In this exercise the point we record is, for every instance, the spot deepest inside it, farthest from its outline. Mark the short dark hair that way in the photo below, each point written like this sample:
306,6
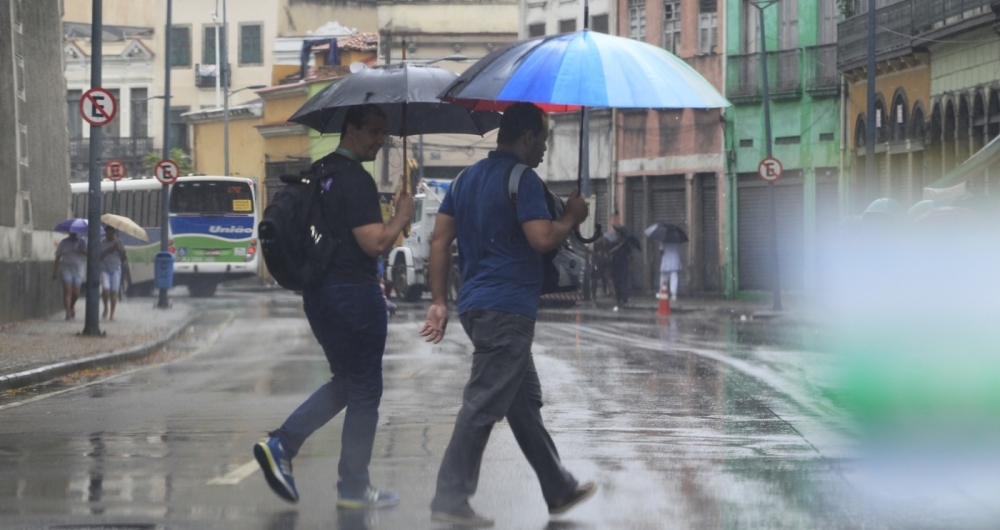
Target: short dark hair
517,120
109,228
358,116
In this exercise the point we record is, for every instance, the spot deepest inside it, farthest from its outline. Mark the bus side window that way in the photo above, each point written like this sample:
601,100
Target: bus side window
79,205
125,203
136,213
106,202
153,213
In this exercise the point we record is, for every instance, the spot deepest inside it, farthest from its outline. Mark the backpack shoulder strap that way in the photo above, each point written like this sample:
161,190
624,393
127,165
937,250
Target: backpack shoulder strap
514,180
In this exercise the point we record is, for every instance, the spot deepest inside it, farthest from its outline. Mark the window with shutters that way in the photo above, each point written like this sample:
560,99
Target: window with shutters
208,44
599,23
75,125
750,29
140,113
250,44
180,47
827,21
567,26
708,26
536,30
637,19
788,38
672,27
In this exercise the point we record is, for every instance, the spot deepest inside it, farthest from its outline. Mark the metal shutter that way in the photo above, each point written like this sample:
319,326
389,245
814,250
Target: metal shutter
633,220
754,240
711,272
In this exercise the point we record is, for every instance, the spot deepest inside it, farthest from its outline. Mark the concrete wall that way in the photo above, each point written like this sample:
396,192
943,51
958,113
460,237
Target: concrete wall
246,148
34,175
297,17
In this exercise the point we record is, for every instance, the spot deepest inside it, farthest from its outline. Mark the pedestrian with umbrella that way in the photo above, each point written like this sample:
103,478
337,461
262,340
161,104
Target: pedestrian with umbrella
623,242
346,310
71,261
112,256
669,238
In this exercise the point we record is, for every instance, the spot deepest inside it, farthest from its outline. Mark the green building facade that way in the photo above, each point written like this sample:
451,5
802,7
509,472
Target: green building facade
806,132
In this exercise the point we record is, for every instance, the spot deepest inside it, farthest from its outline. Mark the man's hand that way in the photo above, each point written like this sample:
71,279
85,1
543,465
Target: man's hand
435,324
577,207
405,205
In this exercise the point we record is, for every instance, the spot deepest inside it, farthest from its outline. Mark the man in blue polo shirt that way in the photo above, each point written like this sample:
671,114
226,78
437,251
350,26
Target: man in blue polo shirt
500,246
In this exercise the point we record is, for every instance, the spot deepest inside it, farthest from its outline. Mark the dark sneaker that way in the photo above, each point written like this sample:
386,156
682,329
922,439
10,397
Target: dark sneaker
581,494
371,498
277,468
464,517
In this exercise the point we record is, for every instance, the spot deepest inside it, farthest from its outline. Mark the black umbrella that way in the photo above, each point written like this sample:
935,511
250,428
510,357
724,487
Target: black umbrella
666,233
407,93
628,236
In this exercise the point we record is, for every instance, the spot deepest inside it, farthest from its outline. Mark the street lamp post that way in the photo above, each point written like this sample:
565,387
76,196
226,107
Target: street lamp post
456,57
225,123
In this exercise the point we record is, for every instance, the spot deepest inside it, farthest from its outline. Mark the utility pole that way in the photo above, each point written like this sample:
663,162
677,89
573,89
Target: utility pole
775,274
225,86
91,324
164,302
869,183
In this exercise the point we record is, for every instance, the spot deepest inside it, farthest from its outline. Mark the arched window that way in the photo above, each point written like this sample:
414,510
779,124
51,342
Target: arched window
918,127
899,117
860,132
881,125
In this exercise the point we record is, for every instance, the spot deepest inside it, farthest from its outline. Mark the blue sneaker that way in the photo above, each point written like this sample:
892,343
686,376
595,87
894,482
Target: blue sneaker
371,498
277,468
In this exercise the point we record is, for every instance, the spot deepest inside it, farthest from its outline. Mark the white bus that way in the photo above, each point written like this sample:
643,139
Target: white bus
213,229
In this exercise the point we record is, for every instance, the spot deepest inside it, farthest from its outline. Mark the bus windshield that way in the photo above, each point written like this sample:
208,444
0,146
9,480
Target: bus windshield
208,197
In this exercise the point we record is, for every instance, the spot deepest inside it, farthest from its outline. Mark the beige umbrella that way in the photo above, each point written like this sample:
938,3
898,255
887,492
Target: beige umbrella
125,225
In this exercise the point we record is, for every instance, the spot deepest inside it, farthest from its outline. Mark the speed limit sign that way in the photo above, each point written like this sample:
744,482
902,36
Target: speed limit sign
166,171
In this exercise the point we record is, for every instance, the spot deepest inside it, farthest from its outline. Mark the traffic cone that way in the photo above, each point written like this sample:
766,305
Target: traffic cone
664,309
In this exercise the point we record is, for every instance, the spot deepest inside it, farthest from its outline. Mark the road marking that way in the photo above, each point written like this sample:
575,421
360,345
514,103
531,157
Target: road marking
235,476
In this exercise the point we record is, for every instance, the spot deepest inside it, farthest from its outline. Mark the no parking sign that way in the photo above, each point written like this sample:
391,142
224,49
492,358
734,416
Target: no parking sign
98,107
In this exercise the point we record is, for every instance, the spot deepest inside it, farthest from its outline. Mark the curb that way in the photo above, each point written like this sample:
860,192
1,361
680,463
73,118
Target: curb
52,371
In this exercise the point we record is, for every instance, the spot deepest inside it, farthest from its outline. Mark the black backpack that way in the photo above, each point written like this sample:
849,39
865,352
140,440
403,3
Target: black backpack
297,244
563,265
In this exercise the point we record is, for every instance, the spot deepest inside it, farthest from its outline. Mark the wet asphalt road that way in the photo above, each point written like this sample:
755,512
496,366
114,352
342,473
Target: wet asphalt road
701,422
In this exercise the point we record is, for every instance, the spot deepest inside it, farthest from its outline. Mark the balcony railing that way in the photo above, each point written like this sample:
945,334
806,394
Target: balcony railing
894,31
930,15
743,79
820,66
121,148
204,76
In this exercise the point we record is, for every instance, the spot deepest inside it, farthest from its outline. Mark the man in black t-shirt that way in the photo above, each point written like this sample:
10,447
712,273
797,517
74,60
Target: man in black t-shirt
346,312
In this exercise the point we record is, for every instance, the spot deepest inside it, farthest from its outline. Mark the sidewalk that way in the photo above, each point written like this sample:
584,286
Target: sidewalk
32,351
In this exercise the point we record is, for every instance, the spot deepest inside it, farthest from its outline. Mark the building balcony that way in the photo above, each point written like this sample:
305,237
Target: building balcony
743,76
821,76
893,34
204,76
124,149
944,17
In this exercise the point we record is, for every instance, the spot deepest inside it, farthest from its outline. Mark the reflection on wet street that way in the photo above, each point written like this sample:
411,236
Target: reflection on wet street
697,421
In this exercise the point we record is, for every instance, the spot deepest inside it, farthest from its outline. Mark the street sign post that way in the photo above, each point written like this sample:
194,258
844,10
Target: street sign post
167,171
770,169
98,106
114,171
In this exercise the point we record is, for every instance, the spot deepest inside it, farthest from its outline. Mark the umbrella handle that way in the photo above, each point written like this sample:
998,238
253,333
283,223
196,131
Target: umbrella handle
597,234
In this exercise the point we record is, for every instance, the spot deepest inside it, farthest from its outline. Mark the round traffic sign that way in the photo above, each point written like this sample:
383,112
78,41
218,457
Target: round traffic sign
114,170
98,106
167,171
770,169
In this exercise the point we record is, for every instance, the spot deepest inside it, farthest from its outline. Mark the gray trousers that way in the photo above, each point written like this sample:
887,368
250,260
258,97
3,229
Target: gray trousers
503,383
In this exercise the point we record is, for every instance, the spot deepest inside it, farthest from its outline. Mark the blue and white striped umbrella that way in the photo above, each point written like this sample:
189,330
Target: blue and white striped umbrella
583,69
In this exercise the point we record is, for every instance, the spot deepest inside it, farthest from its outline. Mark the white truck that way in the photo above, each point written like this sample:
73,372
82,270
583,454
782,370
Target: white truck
406,270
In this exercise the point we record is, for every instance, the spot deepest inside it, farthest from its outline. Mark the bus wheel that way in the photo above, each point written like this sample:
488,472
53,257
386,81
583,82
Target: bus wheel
202,289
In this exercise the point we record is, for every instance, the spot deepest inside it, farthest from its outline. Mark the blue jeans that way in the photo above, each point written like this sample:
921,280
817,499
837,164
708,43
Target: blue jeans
349,321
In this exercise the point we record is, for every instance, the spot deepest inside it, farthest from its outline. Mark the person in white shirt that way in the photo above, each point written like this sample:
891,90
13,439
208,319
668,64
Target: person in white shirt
670,266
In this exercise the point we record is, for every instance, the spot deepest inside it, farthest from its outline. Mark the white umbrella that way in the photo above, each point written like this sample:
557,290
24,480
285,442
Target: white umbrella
125,225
